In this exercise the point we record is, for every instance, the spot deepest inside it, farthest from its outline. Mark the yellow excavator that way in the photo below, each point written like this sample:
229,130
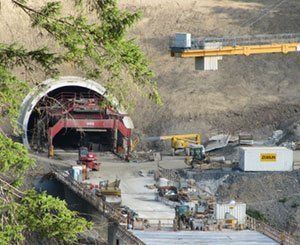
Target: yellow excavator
180,141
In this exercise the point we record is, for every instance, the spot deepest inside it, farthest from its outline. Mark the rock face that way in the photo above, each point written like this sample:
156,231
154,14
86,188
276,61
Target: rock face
245,93
296,130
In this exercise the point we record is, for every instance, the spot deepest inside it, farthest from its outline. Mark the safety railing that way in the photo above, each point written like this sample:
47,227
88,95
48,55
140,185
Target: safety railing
107,209
160,223
65,102
248,40
199,42
277,235
64,96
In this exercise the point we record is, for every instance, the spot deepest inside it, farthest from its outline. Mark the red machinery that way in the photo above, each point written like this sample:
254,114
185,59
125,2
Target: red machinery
86,114
87,158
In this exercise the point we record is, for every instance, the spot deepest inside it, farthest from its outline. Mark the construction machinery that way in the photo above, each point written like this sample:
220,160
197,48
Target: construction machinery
66,118
135,143
88,158
180,141
197,156
196,219
208,51
182,214
110,192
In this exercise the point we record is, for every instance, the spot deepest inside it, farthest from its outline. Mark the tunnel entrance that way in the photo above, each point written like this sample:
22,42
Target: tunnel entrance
72,139
70,116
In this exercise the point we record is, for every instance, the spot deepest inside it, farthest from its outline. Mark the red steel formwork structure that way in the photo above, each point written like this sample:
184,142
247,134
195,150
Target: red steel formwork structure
84,112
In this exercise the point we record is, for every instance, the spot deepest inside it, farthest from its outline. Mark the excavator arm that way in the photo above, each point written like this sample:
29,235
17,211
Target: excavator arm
179,141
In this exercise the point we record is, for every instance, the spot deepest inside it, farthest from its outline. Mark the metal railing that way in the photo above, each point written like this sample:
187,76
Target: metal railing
160,224
279,236
248,40
261,39
65,96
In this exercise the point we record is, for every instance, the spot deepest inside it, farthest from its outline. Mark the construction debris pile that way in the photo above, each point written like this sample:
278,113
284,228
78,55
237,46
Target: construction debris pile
195,208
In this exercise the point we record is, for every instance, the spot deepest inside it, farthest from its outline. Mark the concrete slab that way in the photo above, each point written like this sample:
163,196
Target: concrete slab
143,200
134,193
203,237
217,142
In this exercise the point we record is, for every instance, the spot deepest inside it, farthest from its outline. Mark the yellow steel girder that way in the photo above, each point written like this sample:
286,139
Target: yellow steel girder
239,50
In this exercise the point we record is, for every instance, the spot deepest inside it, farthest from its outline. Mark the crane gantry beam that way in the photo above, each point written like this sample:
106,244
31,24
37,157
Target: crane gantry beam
238,50
208,51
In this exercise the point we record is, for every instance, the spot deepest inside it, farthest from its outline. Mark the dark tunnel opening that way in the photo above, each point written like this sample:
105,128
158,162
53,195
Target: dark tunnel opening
77,104
73,139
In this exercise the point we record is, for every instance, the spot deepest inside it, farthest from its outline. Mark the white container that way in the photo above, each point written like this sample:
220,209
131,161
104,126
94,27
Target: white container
237,210
77,173
182,40
265,159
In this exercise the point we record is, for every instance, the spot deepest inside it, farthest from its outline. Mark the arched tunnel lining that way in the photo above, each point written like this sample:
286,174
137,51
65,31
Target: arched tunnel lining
45,87
69,138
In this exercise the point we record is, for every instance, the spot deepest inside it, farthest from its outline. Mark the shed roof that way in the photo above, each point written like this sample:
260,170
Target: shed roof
203,237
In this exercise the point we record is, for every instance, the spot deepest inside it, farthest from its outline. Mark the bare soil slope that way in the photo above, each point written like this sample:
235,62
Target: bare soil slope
246,92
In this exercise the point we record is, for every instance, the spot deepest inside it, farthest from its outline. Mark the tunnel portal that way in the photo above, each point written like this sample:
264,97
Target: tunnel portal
71,112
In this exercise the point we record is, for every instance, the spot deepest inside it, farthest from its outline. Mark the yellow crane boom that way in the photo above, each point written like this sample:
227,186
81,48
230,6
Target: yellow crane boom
208,51
179,141
195,137
240,50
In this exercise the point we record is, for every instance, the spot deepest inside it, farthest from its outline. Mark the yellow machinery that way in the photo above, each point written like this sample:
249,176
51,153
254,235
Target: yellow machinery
110,192
180,141
110,188
241,50
208,51
134,143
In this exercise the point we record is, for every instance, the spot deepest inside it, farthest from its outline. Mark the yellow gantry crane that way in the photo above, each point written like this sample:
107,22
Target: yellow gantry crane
208,51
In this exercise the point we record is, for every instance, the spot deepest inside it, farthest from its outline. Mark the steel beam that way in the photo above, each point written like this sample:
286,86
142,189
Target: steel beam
89,124
238,50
